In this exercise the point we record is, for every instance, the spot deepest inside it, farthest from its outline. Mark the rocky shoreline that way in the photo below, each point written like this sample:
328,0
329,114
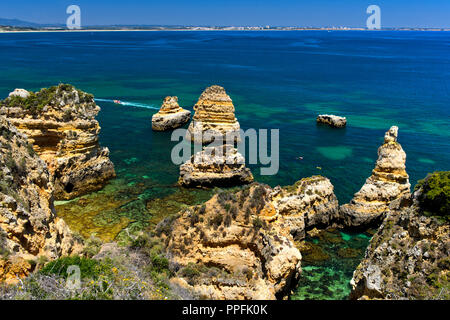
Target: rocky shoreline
243,243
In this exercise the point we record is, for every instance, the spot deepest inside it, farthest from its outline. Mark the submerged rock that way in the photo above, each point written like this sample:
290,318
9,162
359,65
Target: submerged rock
332,120
29,227
214,113
215,166
388,182
60,123
170,116
408,257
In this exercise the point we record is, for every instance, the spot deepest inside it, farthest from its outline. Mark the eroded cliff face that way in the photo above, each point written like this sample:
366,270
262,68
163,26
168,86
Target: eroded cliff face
29,227
60,123
214,112
223,250
170,115
241,246
408,257
388,182
215,166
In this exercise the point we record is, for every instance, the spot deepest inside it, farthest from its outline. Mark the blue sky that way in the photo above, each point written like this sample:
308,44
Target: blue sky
395,13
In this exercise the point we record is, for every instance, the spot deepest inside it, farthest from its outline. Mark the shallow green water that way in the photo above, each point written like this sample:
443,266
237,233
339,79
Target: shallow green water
328,265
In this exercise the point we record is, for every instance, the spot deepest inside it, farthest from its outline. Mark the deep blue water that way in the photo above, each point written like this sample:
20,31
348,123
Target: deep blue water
276,80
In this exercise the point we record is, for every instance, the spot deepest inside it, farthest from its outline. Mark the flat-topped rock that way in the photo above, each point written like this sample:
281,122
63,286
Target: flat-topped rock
388,182
332,120
215,166
170,115
214,113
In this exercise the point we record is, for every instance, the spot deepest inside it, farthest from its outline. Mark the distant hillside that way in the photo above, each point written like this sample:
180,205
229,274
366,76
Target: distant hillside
25,24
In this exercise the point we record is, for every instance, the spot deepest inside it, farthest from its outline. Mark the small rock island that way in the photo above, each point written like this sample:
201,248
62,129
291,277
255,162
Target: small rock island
170,116
332,120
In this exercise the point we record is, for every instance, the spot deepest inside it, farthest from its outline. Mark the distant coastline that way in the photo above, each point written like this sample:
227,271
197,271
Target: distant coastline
11,29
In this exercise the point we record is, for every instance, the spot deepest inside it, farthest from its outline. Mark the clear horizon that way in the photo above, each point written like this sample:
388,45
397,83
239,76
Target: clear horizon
320,13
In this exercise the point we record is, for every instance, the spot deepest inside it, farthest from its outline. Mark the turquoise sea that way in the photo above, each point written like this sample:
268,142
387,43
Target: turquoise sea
278,80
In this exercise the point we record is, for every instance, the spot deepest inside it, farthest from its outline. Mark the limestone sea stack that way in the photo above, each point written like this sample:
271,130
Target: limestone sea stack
60,124
215,166
29,227
223,250
388,182
332,120
170,116
309,203
214,112
408,257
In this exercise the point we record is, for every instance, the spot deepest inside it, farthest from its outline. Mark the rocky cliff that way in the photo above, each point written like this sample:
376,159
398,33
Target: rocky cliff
28,225
408,257
240,245
309,203
224,250
388,182
60,123
215,166
170,115
214,112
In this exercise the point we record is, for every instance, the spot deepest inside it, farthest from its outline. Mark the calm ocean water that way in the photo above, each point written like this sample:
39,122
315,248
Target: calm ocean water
276,79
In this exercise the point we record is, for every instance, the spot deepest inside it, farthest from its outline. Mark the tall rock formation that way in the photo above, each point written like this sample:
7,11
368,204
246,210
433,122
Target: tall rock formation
29,227
215,166
223,250
408,257
60,123
214,112
388,182
170,115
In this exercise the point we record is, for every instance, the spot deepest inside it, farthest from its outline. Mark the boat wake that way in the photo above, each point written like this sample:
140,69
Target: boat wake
131,104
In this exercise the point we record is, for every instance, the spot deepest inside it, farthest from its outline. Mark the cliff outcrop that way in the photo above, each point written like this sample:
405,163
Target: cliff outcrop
224,250
60,124
29,227
408,257
215,166
214,113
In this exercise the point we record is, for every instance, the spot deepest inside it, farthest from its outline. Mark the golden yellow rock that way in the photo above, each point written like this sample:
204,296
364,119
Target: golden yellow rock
60,123
170,116
29,227
214,113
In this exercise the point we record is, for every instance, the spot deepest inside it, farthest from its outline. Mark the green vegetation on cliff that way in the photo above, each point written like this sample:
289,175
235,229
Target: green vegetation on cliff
434,194
36,101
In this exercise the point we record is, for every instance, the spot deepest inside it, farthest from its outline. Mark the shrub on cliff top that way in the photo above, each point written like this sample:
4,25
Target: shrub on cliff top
434,195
